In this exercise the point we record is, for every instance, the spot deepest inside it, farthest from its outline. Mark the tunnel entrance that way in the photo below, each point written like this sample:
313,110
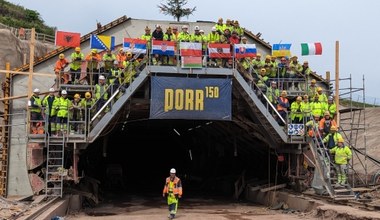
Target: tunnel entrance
209,156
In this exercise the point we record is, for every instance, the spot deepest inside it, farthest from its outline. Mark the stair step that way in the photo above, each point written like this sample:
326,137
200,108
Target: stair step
344,197
342,190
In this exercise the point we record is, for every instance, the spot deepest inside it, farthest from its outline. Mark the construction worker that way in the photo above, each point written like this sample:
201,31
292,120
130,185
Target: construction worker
184,35
331,107
59,69
312,89
296,114
306,71
93,59
237,28
322,96
35,106
50,112
220,26
120,58
273,93
173,191
130,69
295,69
342,155
257,64
76,115
101,93
282,107
312,127
148,37
317,107
213,37
62,107
325,124
331,139
169,36
306,108
108,60
77,57
87,102
157,35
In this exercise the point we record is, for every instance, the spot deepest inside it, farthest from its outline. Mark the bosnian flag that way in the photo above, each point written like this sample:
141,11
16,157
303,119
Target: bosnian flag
219,50
163,47
311,48
190,49
102,42
134,45
245,50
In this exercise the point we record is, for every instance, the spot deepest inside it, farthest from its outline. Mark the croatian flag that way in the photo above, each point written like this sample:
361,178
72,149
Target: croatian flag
134,45
163,47
190,49
219,50
245,50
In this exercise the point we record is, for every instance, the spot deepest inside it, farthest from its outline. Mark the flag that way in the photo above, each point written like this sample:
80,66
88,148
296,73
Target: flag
134,45
67,39
102,42
281,50
311,48
163,47
219,50
245,50
190,49
191,62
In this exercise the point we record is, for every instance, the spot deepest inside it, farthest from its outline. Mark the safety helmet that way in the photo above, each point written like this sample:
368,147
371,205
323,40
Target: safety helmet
61,56
36,90
299,98
201,31
101,77
51,90
115,62
174,28
244,38
274,83
213,29
172,170
87,95
258,54
77,96
77,49
313,81
185,27
327,113
333,128
196,28
330,98
306,97
64,92
263,70
147,28
121,50
94,51
305,62
319,89
129,54
340,140
220,19
267,57
316,116
158,26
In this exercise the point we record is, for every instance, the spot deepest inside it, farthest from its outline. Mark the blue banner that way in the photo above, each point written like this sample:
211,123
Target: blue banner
190,98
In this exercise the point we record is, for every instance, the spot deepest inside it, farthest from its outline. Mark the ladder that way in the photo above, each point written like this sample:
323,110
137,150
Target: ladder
55,171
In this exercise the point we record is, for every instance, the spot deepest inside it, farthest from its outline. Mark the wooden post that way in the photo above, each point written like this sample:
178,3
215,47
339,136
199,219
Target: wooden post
30,78
337,82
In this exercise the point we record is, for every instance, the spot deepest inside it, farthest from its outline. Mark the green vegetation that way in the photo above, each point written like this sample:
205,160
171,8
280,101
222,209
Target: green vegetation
17,16
176,9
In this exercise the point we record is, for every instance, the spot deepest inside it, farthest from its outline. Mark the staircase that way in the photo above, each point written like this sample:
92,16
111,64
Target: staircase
55,171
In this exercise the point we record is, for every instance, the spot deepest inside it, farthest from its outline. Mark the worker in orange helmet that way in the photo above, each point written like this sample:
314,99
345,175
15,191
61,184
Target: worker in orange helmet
173,191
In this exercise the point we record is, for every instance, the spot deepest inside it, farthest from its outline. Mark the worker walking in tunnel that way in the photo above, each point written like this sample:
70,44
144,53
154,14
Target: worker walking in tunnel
173,191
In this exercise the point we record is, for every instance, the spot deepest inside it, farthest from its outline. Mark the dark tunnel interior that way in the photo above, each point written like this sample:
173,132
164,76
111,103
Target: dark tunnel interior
209,157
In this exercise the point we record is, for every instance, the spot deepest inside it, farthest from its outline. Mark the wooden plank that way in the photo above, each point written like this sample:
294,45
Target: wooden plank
273,187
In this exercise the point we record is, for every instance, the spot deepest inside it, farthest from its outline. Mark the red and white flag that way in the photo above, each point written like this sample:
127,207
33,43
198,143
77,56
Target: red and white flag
67,39
190,49
219,50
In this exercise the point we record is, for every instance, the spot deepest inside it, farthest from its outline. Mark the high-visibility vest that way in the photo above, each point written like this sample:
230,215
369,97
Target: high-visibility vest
35,104
177,186
342,154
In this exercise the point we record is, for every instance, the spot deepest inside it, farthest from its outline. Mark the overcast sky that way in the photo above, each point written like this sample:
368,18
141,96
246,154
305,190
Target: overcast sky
355,24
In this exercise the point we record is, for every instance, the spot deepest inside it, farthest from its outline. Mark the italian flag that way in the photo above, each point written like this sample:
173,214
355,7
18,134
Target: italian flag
311,48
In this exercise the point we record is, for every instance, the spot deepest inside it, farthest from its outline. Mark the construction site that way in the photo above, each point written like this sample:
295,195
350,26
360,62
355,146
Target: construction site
236,156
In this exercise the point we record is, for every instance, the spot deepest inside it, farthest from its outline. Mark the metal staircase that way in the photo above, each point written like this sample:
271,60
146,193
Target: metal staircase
323,181
55,171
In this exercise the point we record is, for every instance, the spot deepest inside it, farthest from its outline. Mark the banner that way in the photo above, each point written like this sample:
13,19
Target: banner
134,45
190,98
67,39
311,49
163,47
281,50
245,50
102,42
191,62
190,49
219,50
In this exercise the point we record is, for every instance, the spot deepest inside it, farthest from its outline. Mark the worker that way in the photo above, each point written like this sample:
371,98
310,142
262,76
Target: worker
108,60
120,58
331,107
59,69
296,114
273,93
213,37
76,115
50,112
322,96
312,89
220,26
173,192
93,59
342,155
157,34
87,102
131,67
169,36
101,93
325,124
312,127
331,139
184,35
306,108
77,57
282,107
35,106
62,107
148,37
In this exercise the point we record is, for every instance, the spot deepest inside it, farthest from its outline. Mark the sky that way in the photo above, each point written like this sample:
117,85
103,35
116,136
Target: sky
354,24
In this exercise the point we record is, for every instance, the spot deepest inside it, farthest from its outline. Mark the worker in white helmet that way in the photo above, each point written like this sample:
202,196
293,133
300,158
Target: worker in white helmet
62,107
173,191
35,107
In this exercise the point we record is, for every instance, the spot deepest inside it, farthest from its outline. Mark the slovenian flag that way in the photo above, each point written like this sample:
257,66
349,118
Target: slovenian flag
191,62
190,49
219,50
102,42
281,50
311,48
163,47
245,50
134,45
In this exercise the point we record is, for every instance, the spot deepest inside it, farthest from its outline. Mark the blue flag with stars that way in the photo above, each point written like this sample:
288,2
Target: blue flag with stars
102,42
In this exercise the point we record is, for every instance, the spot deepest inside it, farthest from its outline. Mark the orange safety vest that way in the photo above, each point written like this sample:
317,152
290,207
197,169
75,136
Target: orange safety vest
284,100
177,187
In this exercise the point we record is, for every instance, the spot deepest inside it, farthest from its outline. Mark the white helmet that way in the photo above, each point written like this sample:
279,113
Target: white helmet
64,92
213,29
196,28
172,170
101,77
51,90
184,26
36,90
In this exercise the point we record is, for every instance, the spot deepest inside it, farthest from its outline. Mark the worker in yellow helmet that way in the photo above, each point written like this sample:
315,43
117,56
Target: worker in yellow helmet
77,57
87,102
342,155
76,115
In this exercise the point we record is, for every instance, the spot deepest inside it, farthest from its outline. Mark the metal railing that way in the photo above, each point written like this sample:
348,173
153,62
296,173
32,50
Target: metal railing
25,34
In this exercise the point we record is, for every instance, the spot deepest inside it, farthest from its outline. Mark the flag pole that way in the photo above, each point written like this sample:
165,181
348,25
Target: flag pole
337,82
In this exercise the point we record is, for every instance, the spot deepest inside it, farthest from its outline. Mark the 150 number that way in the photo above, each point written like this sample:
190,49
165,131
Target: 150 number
212,92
